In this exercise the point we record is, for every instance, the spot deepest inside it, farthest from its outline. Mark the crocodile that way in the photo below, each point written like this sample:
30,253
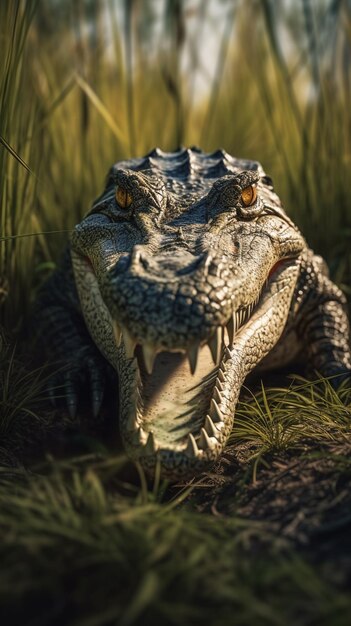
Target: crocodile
185,276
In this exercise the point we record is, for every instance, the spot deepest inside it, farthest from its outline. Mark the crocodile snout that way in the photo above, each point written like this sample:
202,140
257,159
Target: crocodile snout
168,299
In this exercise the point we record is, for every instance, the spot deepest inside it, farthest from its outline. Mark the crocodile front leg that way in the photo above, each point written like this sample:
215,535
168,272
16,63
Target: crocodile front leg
322,322
60,329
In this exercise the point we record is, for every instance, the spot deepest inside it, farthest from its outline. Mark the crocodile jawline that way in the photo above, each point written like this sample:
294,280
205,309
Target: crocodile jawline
193,424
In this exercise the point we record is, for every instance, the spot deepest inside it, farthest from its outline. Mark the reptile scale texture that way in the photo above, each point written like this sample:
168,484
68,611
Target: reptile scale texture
186,275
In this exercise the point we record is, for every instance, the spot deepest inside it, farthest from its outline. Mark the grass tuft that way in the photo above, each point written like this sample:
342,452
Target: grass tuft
278,418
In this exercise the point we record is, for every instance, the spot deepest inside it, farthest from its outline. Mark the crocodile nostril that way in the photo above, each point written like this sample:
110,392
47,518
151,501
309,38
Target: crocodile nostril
200,261
131,262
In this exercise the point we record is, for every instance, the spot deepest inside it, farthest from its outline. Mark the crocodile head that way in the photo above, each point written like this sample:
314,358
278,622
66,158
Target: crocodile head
185,268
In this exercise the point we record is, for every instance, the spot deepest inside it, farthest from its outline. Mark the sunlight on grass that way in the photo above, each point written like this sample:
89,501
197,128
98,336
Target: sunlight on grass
275,419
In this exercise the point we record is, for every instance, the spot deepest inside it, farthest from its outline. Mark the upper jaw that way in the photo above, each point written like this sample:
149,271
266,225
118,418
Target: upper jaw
180,312
222,334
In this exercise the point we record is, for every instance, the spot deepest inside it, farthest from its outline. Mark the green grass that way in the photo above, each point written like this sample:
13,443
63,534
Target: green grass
77,551
280,418
86,539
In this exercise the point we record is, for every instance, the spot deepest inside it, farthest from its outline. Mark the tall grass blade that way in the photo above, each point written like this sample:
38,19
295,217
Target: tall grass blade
100,107
13,152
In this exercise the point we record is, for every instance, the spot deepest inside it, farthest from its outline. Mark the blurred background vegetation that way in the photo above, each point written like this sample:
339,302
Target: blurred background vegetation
84,84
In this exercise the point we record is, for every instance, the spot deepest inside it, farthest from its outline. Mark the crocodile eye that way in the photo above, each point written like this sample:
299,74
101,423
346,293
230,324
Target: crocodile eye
249,195
124,199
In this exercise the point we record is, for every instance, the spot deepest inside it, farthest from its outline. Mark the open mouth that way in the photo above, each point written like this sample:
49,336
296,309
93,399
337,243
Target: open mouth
177,407
183,400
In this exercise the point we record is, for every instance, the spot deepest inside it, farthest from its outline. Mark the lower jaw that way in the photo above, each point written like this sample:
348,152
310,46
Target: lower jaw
173,411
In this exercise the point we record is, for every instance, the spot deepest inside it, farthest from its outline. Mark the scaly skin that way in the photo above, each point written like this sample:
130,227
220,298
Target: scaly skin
185,287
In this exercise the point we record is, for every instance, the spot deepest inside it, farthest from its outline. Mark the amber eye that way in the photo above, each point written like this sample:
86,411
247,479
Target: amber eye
124,199
249,195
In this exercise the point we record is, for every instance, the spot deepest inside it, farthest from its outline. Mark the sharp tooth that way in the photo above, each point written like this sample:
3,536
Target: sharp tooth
231,330
117,333
140,436
149,353
192,353
238,319
215,412
210,427
129,343
205,441
215,344
221,376
150,447
219,385
191,449
216,395
227,353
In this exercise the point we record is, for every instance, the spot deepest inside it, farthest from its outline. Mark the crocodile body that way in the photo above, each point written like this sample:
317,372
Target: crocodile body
185,276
